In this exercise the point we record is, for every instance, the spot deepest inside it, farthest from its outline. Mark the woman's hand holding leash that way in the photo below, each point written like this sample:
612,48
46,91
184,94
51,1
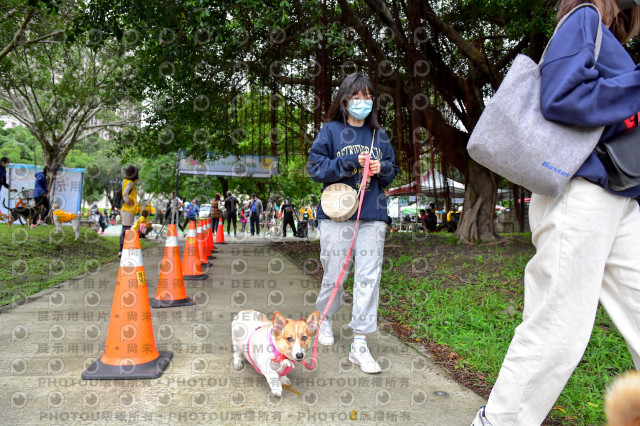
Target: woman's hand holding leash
374,165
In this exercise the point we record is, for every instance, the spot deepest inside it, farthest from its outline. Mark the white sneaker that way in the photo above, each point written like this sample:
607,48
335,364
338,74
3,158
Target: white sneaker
325,334
359,354
480,419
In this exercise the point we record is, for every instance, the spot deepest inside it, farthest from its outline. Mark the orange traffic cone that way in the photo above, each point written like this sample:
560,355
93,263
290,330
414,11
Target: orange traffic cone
213,246
130,351
220,233
209,237
191,265
205,230
202,245
171,292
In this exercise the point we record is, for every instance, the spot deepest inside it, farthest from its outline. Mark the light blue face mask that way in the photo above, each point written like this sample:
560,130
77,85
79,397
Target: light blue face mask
359,109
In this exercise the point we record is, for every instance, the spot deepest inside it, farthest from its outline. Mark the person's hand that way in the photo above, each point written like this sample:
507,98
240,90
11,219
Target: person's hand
362,158
374,167
129,202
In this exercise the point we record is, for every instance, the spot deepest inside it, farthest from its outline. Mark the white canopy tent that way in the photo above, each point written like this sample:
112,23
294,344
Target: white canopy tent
427,187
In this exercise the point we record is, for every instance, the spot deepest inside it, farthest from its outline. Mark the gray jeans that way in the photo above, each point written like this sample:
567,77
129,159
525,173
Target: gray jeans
335,239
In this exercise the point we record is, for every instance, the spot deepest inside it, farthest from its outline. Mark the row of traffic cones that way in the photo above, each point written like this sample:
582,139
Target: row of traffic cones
130,350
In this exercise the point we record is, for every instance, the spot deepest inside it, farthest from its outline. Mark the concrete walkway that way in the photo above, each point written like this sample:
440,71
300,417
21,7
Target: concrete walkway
49,340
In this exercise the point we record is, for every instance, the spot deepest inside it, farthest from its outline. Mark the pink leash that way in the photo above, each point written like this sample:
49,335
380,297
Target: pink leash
363,184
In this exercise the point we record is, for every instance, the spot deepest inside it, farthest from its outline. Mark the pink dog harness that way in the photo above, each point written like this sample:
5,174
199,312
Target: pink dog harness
278,356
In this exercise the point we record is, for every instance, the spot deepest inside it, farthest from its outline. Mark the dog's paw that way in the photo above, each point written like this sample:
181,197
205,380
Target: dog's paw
238,364
285,381
276,393
287,363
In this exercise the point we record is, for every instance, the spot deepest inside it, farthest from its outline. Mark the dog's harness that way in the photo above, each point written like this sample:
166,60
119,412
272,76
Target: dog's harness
278,356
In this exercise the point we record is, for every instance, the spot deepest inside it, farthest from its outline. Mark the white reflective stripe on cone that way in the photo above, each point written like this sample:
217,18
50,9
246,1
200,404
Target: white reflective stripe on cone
191,233
171,242
131,258
199,228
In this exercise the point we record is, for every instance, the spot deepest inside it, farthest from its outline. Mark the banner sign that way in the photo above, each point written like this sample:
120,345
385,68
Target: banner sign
67,186
257,166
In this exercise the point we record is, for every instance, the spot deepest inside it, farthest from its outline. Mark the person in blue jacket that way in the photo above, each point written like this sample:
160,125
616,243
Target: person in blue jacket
586,238
338,154
40,196
192,213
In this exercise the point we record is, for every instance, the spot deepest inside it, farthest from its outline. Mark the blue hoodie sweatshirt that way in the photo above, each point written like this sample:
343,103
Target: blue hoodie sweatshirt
574,93
334,159
40,187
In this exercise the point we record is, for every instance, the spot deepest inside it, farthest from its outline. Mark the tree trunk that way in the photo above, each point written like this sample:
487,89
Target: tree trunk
54,162
225,185
476,222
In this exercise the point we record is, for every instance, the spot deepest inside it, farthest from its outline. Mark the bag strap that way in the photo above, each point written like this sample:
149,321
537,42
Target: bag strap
370,151
565,17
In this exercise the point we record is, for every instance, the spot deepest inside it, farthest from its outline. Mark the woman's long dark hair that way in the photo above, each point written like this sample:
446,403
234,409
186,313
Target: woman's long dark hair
623,24
352,84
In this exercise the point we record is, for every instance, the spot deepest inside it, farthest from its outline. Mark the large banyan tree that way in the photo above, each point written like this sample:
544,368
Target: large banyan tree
258,76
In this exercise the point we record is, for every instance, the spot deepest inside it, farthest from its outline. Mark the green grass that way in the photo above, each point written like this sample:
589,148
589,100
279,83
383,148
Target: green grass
32,260
461,302
462,310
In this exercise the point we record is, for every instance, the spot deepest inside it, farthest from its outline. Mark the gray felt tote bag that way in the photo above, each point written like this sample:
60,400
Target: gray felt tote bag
514,140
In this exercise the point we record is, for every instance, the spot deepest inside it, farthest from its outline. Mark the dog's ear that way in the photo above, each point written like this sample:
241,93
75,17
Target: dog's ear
278,321
313,321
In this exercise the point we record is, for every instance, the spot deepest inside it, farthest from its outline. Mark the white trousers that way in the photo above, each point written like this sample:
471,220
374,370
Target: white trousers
368,251
587,249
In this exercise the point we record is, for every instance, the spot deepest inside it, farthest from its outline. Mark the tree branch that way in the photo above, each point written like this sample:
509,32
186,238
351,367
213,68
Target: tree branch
39,39
477,58
511,54
9,14
14,42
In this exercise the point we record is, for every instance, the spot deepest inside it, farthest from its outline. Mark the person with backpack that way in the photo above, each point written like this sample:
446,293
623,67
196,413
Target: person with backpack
287,217
130,201
231,207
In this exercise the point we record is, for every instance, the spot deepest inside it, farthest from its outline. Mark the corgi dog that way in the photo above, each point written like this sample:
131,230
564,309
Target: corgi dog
622,402
273,346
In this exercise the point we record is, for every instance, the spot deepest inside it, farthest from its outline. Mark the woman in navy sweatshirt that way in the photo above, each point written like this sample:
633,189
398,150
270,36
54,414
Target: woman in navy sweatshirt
338,155
586,239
